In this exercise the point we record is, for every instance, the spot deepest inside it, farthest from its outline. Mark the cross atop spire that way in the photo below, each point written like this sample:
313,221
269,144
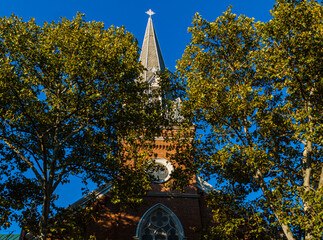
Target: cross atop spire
151,56
150,12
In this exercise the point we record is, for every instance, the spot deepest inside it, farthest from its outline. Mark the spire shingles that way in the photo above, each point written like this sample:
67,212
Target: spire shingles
151,56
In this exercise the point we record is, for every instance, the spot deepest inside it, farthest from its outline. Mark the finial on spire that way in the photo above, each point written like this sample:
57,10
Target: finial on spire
150,12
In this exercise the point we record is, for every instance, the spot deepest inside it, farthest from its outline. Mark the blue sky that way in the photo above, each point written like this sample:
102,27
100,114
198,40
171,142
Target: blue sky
171,21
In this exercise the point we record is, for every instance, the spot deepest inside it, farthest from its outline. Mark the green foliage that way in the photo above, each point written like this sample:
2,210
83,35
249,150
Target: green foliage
235,219
255,92
73,223
69,105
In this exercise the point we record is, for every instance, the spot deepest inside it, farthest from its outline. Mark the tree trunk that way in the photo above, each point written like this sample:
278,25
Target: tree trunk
43,224
286,229
307,167
307,170
260,179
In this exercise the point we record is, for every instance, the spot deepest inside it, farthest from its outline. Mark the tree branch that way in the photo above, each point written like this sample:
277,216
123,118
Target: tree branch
262,183
53,163
30,164
25,112
260,179
321,178
67,137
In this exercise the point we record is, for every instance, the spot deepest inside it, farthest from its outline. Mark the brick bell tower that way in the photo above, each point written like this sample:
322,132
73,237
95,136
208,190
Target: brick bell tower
164,214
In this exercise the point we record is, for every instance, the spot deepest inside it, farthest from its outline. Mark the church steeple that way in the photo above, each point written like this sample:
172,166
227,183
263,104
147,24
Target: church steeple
151,56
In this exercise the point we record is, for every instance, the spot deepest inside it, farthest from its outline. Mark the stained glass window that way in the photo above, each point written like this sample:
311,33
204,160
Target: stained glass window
159,224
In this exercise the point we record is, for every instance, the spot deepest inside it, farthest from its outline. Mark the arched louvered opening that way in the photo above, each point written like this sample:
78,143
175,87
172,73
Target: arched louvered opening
160,223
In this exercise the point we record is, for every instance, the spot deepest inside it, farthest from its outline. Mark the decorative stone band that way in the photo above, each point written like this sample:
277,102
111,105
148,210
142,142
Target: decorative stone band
177,195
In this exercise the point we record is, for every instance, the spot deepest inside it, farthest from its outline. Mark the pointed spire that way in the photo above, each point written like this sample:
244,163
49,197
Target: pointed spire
151,56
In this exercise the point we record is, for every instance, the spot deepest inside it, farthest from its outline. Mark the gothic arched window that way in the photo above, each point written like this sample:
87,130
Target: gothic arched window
160,223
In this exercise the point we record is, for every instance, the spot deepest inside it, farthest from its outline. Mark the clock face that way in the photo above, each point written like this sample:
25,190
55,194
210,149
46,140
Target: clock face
160,171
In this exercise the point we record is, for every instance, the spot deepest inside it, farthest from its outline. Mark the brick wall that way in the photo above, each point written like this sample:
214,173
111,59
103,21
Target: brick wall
190,208
114,223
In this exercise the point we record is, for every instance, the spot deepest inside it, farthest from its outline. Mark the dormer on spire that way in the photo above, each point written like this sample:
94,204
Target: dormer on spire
151,57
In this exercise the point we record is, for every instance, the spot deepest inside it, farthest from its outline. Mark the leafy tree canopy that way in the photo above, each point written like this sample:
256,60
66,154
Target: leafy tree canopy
69,105
255,89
